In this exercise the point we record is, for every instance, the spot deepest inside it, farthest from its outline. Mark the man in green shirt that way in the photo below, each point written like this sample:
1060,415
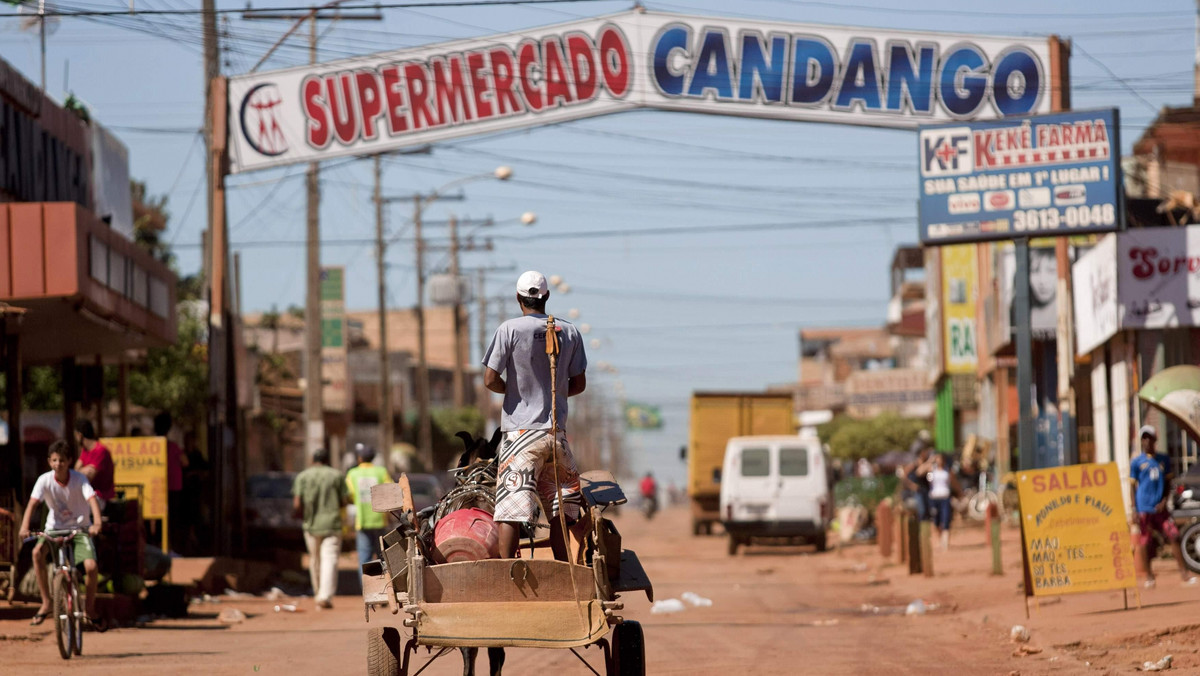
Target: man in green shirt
317,496
369,524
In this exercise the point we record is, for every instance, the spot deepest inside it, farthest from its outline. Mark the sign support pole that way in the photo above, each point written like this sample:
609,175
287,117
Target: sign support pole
1024,339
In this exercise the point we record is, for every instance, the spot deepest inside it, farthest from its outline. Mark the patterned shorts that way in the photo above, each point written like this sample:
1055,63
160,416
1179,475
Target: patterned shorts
527,474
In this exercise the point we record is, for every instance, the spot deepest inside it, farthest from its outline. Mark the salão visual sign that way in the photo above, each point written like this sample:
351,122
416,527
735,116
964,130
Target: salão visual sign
1040,176
633,60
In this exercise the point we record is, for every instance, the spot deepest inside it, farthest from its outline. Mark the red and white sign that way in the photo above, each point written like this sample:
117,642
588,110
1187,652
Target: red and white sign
999,200
964,203
604,65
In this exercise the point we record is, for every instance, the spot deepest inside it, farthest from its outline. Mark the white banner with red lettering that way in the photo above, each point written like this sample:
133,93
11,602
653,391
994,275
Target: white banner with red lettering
548,75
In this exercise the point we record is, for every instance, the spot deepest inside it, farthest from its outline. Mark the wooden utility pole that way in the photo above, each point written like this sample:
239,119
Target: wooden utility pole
385,386
425,422
314,416
459,394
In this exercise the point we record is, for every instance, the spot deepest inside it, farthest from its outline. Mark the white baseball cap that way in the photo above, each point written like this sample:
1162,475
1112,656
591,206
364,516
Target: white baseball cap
1148,431
532,284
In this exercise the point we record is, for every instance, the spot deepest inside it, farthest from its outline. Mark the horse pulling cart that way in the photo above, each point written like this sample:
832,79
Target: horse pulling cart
533,602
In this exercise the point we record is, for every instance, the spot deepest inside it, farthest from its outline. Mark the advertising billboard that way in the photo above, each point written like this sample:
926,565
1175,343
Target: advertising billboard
1042,176
1094,277
960,288
609,64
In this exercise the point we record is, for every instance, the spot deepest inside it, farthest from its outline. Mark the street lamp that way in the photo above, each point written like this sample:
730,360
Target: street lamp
425,431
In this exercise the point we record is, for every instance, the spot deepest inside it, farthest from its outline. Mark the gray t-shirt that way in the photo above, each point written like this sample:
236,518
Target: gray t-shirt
518,352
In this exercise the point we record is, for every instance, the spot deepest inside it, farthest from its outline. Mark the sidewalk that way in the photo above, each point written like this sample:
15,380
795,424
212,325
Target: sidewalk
1076,633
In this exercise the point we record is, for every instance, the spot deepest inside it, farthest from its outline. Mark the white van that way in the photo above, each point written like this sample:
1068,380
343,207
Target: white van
776,489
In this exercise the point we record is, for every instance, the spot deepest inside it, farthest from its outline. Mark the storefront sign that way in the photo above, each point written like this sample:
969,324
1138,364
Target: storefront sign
142,461
334,392
1039,176
1043,288
1144,278
960,288
627,61
1158,277
905,392
1075,534
1094,277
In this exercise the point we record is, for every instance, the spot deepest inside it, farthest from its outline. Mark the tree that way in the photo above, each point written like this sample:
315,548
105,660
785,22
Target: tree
850,439
175,378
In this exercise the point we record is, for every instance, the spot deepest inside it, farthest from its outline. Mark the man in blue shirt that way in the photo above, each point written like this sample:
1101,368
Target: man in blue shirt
1149,472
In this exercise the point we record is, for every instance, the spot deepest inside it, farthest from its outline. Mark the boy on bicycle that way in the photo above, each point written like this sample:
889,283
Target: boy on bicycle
69,497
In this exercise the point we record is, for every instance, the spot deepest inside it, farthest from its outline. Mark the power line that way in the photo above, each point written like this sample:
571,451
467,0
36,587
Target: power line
305,8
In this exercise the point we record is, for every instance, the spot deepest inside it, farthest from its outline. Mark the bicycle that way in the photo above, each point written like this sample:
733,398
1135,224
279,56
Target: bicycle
64,591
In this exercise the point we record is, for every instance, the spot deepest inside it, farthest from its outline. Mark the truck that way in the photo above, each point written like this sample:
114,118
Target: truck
717,417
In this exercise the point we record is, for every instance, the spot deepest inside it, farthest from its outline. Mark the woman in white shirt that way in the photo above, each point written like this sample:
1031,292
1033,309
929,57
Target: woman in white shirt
939,498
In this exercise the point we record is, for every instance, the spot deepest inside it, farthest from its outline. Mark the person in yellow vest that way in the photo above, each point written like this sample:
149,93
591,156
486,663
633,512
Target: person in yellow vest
369,524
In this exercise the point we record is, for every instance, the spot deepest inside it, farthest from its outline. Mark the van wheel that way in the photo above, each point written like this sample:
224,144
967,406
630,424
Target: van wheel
822,542
733,545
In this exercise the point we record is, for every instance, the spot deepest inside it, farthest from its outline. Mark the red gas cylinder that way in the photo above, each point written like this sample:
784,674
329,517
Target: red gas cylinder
467,535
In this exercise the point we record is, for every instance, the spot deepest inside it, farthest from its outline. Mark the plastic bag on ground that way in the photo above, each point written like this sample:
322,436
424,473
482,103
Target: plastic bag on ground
667,606
696,600
917,607
1161,665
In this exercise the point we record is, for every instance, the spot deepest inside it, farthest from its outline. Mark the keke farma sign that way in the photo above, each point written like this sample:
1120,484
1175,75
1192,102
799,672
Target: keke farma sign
626,61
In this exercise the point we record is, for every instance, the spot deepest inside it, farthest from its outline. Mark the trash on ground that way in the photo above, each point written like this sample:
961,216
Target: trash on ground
696,600
1025,650
1019,634
286,608
1161,665
231,616
824,623
917,607
275,594
667,606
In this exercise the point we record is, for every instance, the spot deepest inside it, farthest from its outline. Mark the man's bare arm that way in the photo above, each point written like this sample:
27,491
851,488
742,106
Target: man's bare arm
493,381
576,385
88,471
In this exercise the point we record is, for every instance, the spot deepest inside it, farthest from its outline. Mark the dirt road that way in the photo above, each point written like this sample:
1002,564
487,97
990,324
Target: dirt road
774,611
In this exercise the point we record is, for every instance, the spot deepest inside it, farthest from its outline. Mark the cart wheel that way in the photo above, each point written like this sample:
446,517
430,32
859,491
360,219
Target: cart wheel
822,542
628,651
383,652
697,527
733,545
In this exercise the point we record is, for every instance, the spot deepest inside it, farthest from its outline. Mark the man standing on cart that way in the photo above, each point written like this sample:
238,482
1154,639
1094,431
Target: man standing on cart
517,366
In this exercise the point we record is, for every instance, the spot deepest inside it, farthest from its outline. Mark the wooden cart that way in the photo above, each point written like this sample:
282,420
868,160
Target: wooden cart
503,603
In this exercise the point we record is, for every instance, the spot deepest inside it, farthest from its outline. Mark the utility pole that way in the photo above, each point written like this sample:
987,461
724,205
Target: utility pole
385,367
425,426
314,415
459,394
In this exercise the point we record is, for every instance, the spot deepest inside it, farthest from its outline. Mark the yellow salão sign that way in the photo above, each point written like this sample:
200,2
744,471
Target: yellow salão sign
143,461
1076,535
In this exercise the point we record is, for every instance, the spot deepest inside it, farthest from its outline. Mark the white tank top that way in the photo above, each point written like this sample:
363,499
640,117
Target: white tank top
939,484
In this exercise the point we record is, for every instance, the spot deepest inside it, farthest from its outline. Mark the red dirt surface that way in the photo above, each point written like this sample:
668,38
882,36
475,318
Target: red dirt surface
775,611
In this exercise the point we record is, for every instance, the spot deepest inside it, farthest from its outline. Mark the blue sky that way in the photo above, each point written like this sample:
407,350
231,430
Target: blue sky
673,313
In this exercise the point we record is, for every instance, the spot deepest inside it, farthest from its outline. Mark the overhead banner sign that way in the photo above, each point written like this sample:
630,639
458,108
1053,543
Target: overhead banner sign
739,67
1074,530
1041,176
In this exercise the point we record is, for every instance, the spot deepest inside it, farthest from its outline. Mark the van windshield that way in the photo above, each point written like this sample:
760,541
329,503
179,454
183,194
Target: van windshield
793,461
756,462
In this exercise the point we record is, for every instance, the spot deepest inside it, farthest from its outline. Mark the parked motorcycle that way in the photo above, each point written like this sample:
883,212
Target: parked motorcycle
1184,503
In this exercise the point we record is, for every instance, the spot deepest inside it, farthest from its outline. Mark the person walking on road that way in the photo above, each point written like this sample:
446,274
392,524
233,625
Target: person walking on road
940,490
915,476
518,367
318,494
368,524
176,463
1149,471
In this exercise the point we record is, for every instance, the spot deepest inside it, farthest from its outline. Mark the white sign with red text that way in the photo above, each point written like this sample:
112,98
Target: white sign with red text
604,65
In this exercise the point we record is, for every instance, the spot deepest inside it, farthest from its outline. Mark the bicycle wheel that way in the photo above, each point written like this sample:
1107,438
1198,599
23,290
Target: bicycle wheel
64,612
76,618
